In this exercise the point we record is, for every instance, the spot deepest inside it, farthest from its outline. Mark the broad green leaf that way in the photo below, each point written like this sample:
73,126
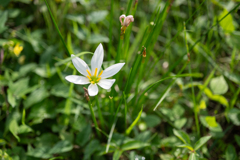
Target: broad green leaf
202,105
42,110
231,153
218,85
234,115
27,68
13,127
40,152
210,122
24,129
214,97
3,20
46,140
60,90
164,157
232,76
76,18
61,147
17,88
97,38
117,155
4,155
180,122
45,72
168,142
97,16
84,136
152,120
92,147
134,145
80,34
177,111
182,136
144,136
188,146
13,13
11,98
201,142
227,22
134,122
193,156
2,142
36,96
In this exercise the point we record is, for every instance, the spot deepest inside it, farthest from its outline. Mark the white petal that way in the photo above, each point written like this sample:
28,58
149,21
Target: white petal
92,89
80,65
77,79
106,83
97,59
112,70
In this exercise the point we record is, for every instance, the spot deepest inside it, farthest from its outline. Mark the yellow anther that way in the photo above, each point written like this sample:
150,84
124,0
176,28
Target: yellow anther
89,78
95,73
89,73
98,78
100,73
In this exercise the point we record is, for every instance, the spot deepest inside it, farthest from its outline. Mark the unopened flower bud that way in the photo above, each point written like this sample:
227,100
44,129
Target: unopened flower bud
144,53
135,3
121,19
125,22
86,95
1,56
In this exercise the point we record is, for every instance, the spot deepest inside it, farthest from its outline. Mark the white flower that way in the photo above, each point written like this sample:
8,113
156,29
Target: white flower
93,75
127,20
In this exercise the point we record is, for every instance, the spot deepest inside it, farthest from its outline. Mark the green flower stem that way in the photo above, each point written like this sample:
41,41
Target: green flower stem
118,57
93,117
99,112
111,109
55,24
110,32
193,92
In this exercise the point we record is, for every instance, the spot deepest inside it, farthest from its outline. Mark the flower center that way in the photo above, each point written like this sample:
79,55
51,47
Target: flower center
94,78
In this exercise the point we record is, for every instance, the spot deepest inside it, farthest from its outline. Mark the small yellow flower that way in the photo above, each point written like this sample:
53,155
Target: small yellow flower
17,49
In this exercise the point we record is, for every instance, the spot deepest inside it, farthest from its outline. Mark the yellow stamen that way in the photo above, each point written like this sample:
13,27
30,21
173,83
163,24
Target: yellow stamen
89,73
89,78
98,78
100,73
95,73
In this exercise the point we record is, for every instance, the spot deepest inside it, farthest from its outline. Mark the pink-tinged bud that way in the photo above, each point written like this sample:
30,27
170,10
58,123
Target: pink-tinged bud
122,17
1,56
128,20
125,21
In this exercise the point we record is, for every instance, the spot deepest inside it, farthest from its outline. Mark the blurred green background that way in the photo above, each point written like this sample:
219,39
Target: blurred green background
181,101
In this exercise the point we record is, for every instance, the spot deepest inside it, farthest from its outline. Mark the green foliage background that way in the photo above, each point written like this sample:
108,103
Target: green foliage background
181,101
